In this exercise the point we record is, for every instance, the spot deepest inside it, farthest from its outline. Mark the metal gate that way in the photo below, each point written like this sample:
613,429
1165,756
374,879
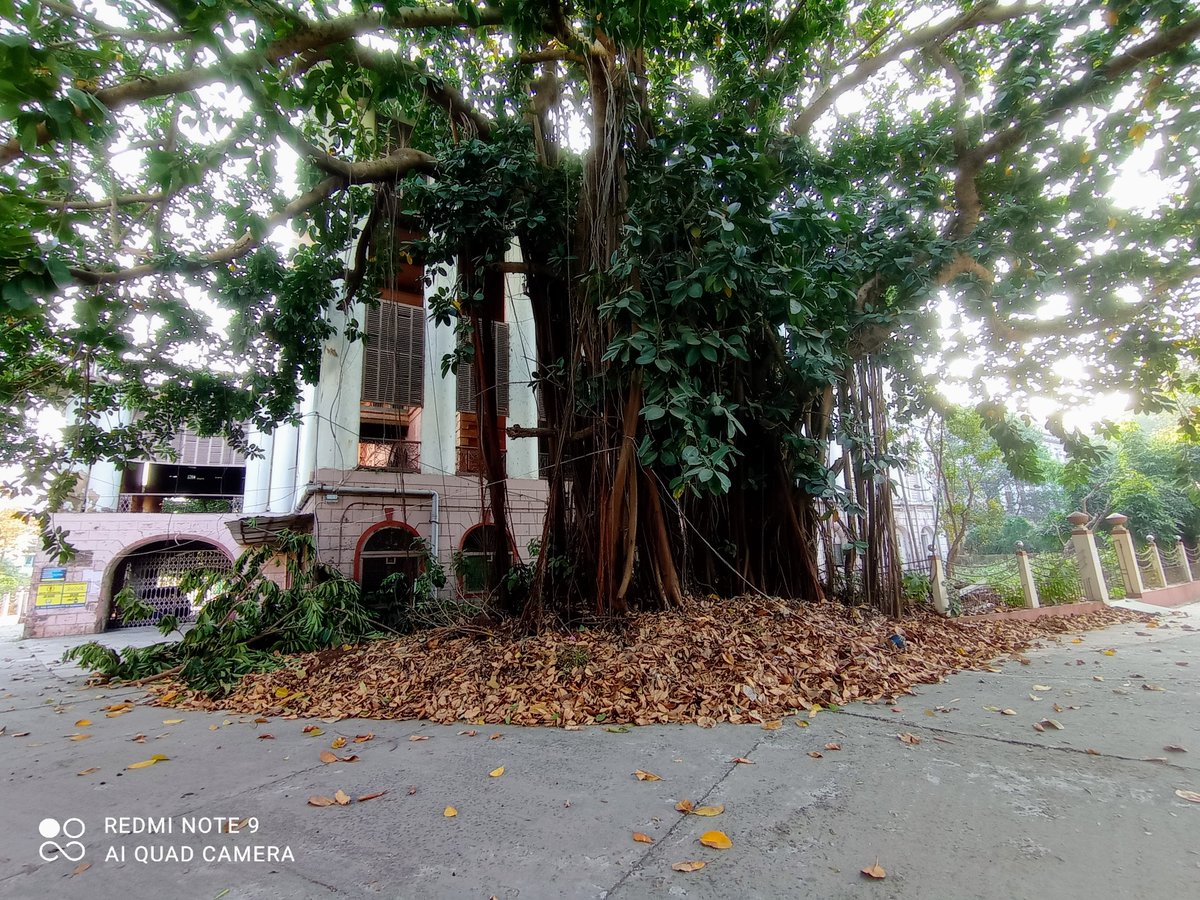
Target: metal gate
154,575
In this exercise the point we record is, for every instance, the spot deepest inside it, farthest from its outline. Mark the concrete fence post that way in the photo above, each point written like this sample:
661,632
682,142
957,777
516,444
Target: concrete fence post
1025,569
1184,565
1156,565
937,584
1088,559
1131,575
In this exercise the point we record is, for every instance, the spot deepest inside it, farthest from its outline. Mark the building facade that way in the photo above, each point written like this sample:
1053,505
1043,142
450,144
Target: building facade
386,450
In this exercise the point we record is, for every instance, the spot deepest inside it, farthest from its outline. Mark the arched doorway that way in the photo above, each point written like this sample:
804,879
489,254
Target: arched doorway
153,571
389,560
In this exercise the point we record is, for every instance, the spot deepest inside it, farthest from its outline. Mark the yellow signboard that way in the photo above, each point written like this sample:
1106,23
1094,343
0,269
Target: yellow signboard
62,593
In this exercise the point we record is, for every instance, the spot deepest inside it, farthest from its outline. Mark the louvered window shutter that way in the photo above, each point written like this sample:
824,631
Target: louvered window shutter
465,383
394,356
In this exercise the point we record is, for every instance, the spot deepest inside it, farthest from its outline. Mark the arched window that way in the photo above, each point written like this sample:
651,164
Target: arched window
479,545
391,550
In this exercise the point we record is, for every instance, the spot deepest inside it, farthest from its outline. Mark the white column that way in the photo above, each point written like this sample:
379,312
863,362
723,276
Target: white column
1156,565
258,473
306,454
522,461
1127,562
283,469
334,443
438,416
1087,558
1184,565
1028,586
937,585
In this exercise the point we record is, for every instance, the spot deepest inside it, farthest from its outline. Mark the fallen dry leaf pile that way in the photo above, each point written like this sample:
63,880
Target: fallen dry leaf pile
740,661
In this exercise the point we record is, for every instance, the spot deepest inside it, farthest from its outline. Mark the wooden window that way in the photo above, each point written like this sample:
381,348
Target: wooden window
465,386
394,356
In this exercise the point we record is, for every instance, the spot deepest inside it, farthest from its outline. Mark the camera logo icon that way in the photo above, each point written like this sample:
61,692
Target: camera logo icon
71,849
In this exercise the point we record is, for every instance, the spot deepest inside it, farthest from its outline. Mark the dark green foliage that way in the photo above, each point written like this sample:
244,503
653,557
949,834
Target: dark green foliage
246,621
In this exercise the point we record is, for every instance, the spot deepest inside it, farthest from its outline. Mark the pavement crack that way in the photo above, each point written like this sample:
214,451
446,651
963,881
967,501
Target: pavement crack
640,861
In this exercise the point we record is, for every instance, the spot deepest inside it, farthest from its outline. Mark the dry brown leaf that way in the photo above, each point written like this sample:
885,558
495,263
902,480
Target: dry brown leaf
646,776
1190,796
496,773
496,736
363,798
833,746
1008,712
261,720
470,732
313,730
266,737
909,738
89,771
741,760
1175,748
709,810
773,725
642,838
449,812
321,801
1147,686
875,870
138,739
418,737
691,865
718,840
412,789
684,806
327,757
1091,752
801,723
342,798
80,869
338,743
816,754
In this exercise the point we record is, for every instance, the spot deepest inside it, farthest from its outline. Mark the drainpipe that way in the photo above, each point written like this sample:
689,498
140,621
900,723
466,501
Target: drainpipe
381,490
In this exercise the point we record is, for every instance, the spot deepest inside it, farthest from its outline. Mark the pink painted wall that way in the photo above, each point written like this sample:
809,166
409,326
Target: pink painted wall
109,536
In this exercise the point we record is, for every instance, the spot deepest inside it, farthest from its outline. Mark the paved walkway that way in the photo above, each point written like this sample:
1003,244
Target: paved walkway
984,806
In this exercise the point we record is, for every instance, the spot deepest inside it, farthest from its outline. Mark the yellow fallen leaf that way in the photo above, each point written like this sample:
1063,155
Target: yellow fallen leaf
342,798
83,723
213,727
1042,687
496,773
772,725
169,696
89,771
684,806
875,871
113,715
321,801
718,840
691,865
642,838
800,723
313,731
709,810
327,757
1109,652
79,737
156,758
172,721
1080,640
119,707
646,776
281,692
449,812
338,743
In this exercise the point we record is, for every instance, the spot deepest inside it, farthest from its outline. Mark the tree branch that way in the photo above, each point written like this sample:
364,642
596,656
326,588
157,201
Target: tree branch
984,13
323,34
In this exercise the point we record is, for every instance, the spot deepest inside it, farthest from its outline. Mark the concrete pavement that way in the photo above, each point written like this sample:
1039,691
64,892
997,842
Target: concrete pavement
983,806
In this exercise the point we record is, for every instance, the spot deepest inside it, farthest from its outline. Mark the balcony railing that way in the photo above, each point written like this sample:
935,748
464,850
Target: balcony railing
401,456
177,503
470,460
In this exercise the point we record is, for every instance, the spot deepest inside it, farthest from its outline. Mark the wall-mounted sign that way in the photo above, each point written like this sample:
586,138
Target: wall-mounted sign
54,574
63,593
